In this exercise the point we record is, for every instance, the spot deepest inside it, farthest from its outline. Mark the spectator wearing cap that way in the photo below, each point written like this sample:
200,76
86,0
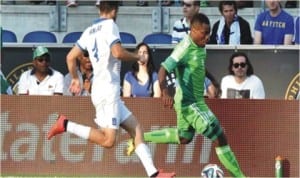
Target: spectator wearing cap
85,74
41,79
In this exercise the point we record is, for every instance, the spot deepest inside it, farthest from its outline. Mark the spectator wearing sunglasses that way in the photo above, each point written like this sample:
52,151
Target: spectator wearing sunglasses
85,75
241,81
181,27
41,79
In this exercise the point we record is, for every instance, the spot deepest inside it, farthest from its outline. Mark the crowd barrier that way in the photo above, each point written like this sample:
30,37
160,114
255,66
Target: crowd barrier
277,66
257,130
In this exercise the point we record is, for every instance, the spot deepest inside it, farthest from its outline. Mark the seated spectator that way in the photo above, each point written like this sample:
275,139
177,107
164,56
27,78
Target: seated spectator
49,2
181,27
71,3
167,2
8,2
42,79
141,3
231,28
243,4
241,81
290,4
85,74
142,80
274,26
5,86
296,36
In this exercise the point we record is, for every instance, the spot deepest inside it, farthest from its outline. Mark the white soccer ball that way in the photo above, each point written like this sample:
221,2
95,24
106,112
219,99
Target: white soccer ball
212,171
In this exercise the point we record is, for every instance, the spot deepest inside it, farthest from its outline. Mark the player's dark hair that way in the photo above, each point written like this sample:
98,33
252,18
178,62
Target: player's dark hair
229,3
200,18
108,5
250,69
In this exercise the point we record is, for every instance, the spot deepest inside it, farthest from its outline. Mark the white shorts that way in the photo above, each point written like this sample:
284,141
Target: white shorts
111,114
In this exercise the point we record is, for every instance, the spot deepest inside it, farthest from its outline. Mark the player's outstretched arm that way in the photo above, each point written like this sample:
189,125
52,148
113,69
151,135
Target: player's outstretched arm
122,54
167,99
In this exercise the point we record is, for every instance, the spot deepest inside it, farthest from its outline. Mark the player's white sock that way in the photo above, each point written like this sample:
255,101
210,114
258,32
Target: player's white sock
78,129
144,154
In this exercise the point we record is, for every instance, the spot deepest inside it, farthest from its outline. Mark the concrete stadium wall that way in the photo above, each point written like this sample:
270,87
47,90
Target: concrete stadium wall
22,19
257,130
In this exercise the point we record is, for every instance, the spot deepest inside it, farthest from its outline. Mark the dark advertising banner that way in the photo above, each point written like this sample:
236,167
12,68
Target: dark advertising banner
257,130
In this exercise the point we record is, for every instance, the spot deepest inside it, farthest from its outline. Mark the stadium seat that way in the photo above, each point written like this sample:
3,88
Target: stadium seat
71,37
158,38
9,36
39,37
127,38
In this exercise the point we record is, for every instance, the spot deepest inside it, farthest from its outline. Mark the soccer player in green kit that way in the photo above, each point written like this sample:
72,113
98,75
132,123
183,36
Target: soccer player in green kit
193,114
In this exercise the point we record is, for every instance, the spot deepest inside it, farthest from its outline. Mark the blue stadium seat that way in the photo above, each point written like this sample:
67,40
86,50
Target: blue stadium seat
127,38
71,37
9,36
158,38
39,37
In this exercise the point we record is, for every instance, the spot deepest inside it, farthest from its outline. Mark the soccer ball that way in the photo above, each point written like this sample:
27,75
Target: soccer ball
212,171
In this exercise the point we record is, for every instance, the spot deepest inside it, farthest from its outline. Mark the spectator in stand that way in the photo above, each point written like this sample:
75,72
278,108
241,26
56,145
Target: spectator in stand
42,79
141,3
181,27
243,4
49,2
291,4
85,75
5,86
230,29
71,3
167,2
142,80
274,26
241,81
297,37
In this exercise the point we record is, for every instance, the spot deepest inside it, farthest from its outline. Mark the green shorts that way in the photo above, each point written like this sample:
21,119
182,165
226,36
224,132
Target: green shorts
199,119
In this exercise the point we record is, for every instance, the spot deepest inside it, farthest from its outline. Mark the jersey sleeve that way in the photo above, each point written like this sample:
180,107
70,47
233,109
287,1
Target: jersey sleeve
112,33
176,56
83,40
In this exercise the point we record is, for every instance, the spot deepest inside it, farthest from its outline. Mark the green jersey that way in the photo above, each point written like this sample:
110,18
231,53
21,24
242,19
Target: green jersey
188,62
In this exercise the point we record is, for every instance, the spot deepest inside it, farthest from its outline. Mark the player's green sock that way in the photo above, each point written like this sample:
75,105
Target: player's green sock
168,135
227,158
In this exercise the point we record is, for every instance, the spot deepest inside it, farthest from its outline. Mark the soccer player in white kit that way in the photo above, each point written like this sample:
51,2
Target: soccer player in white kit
102,41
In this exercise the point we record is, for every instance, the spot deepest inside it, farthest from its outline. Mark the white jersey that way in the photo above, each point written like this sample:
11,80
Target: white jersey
30,85
251,88
97,40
